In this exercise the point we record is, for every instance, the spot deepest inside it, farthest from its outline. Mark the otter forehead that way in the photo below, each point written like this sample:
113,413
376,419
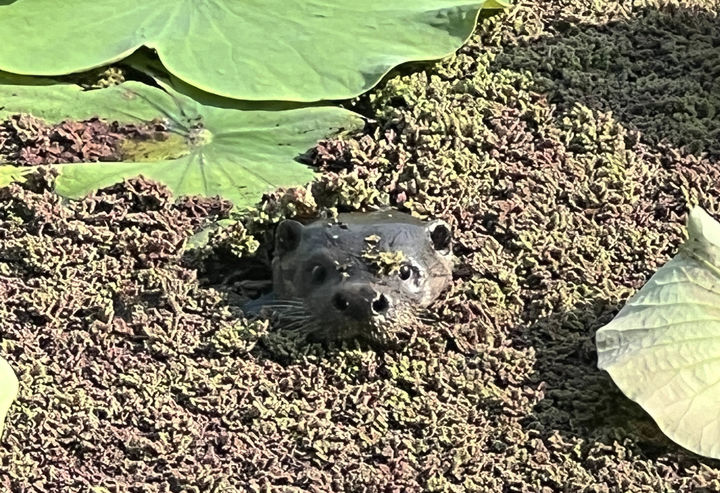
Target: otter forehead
358,238
351,239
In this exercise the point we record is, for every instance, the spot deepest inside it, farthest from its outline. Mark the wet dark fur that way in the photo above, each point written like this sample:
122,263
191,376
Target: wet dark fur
326,282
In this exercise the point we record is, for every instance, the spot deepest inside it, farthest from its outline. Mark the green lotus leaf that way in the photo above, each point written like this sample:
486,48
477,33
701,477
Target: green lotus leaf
291,50
8,390
236,154
12,174
663,348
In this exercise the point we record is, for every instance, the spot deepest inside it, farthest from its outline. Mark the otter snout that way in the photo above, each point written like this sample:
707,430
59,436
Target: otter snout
360,302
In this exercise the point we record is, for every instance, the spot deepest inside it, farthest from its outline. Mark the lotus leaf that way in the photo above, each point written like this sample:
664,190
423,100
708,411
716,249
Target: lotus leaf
213,151
663,348
291,50
8,390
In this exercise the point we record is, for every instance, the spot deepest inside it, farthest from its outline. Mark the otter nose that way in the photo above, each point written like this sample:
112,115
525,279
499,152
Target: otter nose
360,302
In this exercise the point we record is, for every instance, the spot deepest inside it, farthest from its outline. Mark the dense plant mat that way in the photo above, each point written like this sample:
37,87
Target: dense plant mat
135,376
29,141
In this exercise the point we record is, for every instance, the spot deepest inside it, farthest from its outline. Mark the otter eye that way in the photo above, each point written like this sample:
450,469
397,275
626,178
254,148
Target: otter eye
405,272
318,274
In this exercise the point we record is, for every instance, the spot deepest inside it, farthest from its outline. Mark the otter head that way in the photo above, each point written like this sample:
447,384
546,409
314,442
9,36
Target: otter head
360,275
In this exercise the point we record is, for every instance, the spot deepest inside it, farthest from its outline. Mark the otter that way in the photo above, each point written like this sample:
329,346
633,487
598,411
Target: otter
358,275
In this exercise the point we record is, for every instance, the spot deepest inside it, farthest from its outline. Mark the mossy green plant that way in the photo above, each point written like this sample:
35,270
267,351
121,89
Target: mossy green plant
498,391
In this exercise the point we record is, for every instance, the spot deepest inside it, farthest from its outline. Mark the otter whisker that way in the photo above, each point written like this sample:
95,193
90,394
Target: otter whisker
289,314
284,303
293,326
299,308
291,320
293,317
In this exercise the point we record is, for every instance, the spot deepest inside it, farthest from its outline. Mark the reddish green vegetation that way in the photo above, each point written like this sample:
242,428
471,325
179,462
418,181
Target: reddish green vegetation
26,140
135,377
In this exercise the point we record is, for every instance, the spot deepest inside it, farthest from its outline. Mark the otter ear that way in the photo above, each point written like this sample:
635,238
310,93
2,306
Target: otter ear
440,236
287,236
